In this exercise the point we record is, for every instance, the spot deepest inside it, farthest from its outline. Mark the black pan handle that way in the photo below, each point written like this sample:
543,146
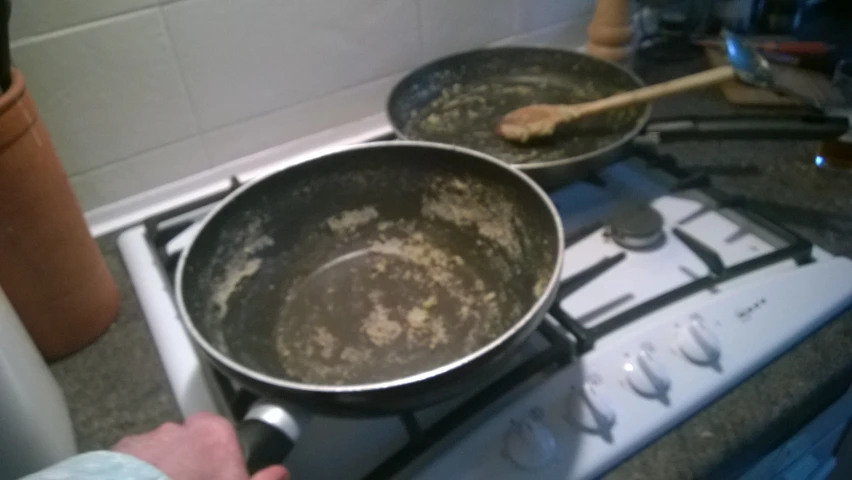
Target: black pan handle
5,60
746,127
268,433
263,445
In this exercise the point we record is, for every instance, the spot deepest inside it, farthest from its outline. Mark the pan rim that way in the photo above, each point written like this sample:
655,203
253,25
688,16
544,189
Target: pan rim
531,166
539,306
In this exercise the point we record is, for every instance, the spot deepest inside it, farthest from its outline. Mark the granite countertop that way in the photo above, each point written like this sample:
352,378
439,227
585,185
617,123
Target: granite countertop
117,386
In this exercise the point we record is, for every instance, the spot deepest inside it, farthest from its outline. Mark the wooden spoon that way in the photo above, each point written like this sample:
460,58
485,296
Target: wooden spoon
540,120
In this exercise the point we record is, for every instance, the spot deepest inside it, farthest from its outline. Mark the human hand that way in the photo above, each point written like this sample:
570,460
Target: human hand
205,447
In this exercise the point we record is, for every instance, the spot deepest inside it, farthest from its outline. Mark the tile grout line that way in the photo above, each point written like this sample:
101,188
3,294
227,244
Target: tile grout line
519,17
26,41
421,60
420,41
199,132
304,101
130,157
199,135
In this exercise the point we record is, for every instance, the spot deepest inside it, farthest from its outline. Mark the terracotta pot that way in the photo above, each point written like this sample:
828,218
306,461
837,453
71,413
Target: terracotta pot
50,266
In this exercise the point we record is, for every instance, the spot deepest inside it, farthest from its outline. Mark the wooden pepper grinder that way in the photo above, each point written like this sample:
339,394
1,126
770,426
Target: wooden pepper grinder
610,31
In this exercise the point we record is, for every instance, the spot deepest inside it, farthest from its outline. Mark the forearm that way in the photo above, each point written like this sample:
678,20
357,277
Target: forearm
101,465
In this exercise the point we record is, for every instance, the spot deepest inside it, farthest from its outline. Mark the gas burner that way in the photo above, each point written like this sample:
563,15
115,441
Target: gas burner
637,227
834,156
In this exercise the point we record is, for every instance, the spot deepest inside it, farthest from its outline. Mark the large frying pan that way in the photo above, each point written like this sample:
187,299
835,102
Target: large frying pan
380,278
459,100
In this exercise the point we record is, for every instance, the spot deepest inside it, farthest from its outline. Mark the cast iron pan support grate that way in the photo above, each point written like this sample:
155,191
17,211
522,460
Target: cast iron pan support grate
560,352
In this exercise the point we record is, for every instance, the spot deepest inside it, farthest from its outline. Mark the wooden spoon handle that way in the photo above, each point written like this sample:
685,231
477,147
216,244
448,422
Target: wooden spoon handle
652,92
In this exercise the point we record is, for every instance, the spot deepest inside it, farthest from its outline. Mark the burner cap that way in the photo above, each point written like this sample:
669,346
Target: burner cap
637,227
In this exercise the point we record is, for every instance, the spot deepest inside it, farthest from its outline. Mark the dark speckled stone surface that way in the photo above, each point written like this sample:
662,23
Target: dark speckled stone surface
117,386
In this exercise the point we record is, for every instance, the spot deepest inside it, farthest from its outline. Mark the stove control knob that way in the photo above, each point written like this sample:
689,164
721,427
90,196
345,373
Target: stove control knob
647,375
590,408
529,444
698,343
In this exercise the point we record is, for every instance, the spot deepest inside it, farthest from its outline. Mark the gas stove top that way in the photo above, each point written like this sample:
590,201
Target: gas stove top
672,294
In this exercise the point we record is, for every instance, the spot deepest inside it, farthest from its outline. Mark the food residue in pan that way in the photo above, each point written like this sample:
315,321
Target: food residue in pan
351,219
356,355
540,285
256,246
402,296
409,305
235,273
242,266
466,114
325,341
435,262
469,203
378,326
416,317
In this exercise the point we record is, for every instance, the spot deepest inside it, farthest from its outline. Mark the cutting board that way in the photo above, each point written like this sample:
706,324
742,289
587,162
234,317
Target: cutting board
811,84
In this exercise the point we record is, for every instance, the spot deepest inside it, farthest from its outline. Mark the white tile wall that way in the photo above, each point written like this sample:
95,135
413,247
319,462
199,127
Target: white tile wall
34,17
138,93
139,173
242,59
454,25
266,131
572,32
536,14
109,92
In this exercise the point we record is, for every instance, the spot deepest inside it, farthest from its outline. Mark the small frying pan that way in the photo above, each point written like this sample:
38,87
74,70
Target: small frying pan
460,99
380,278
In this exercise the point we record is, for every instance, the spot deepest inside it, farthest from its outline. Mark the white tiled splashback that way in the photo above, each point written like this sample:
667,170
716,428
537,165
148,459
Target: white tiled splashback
139,93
